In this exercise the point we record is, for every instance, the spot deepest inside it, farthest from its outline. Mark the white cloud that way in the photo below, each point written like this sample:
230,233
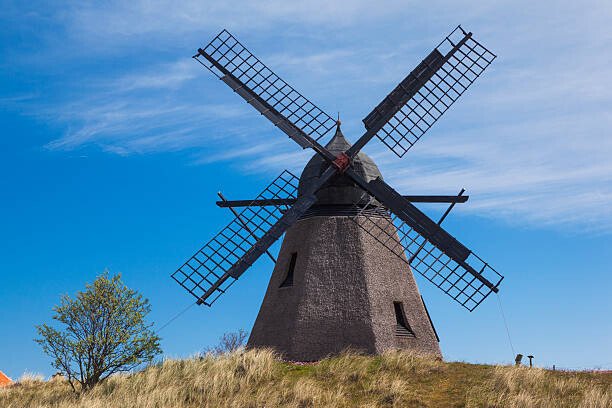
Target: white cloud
137,18
530,141
126,123
164,76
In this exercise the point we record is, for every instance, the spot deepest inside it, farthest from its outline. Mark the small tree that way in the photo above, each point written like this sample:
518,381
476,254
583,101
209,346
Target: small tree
229,342
104,332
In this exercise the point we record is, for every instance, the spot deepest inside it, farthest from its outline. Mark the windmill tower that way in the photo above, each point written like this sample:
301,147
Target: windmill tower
334,286
343,278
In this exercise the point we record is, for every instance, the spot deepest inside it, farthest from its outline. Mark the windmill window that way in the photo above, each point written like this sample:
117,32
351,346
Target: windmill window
288,281
402,327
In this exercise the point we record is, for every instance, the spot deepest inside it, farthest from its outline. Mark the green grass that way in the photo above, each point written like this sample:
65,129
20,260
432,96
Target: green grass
259,378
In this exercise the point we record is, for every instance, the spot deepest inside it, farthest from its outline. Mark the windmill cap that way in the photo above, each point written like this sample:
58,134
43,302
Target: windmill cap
340,189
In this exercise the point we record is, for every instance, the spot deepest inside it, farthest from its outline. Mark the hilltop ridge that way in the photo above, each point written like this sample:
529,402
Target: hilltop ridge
257,378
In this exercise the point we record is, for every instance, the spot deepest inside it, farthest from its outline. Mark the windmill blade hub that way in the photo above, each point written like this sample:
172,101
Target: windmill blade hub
340,190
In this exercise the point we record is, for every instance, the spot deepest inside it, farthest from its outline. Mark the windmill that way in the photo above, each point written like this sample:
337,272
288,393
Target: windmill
343,277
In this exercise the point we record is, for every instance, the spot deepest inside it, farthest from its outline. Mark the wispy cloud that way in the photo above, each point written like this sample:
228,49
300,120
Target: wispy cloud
126,19
139,112
530,140
136,126
162,76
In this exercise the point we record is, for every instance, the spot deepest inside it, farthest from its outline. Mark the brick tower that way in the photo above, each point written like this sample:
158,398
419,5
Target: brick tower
336,287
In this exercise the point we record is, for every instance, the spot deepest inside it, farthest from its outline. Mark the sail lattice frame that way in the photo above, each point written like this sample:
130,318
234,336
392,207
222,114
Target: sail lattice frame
436,96
206,267
226,50
430,262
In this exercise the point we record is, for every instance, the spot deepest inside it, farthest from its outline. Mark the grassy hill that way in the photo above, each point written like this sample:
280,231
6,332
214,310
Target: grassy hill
259,379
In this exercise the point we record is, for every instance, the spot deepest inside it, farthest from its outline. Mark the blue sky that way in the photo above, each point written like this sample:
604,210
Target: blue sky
114,143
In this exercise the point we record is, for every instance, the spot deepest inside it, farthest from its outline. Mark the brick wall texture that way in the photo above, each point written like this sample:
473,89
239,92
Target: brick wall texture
344,286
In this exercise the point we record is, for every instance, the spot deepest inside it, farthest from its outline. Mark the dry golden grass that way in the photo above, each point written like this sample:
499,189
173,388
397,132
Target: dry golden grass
259,379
